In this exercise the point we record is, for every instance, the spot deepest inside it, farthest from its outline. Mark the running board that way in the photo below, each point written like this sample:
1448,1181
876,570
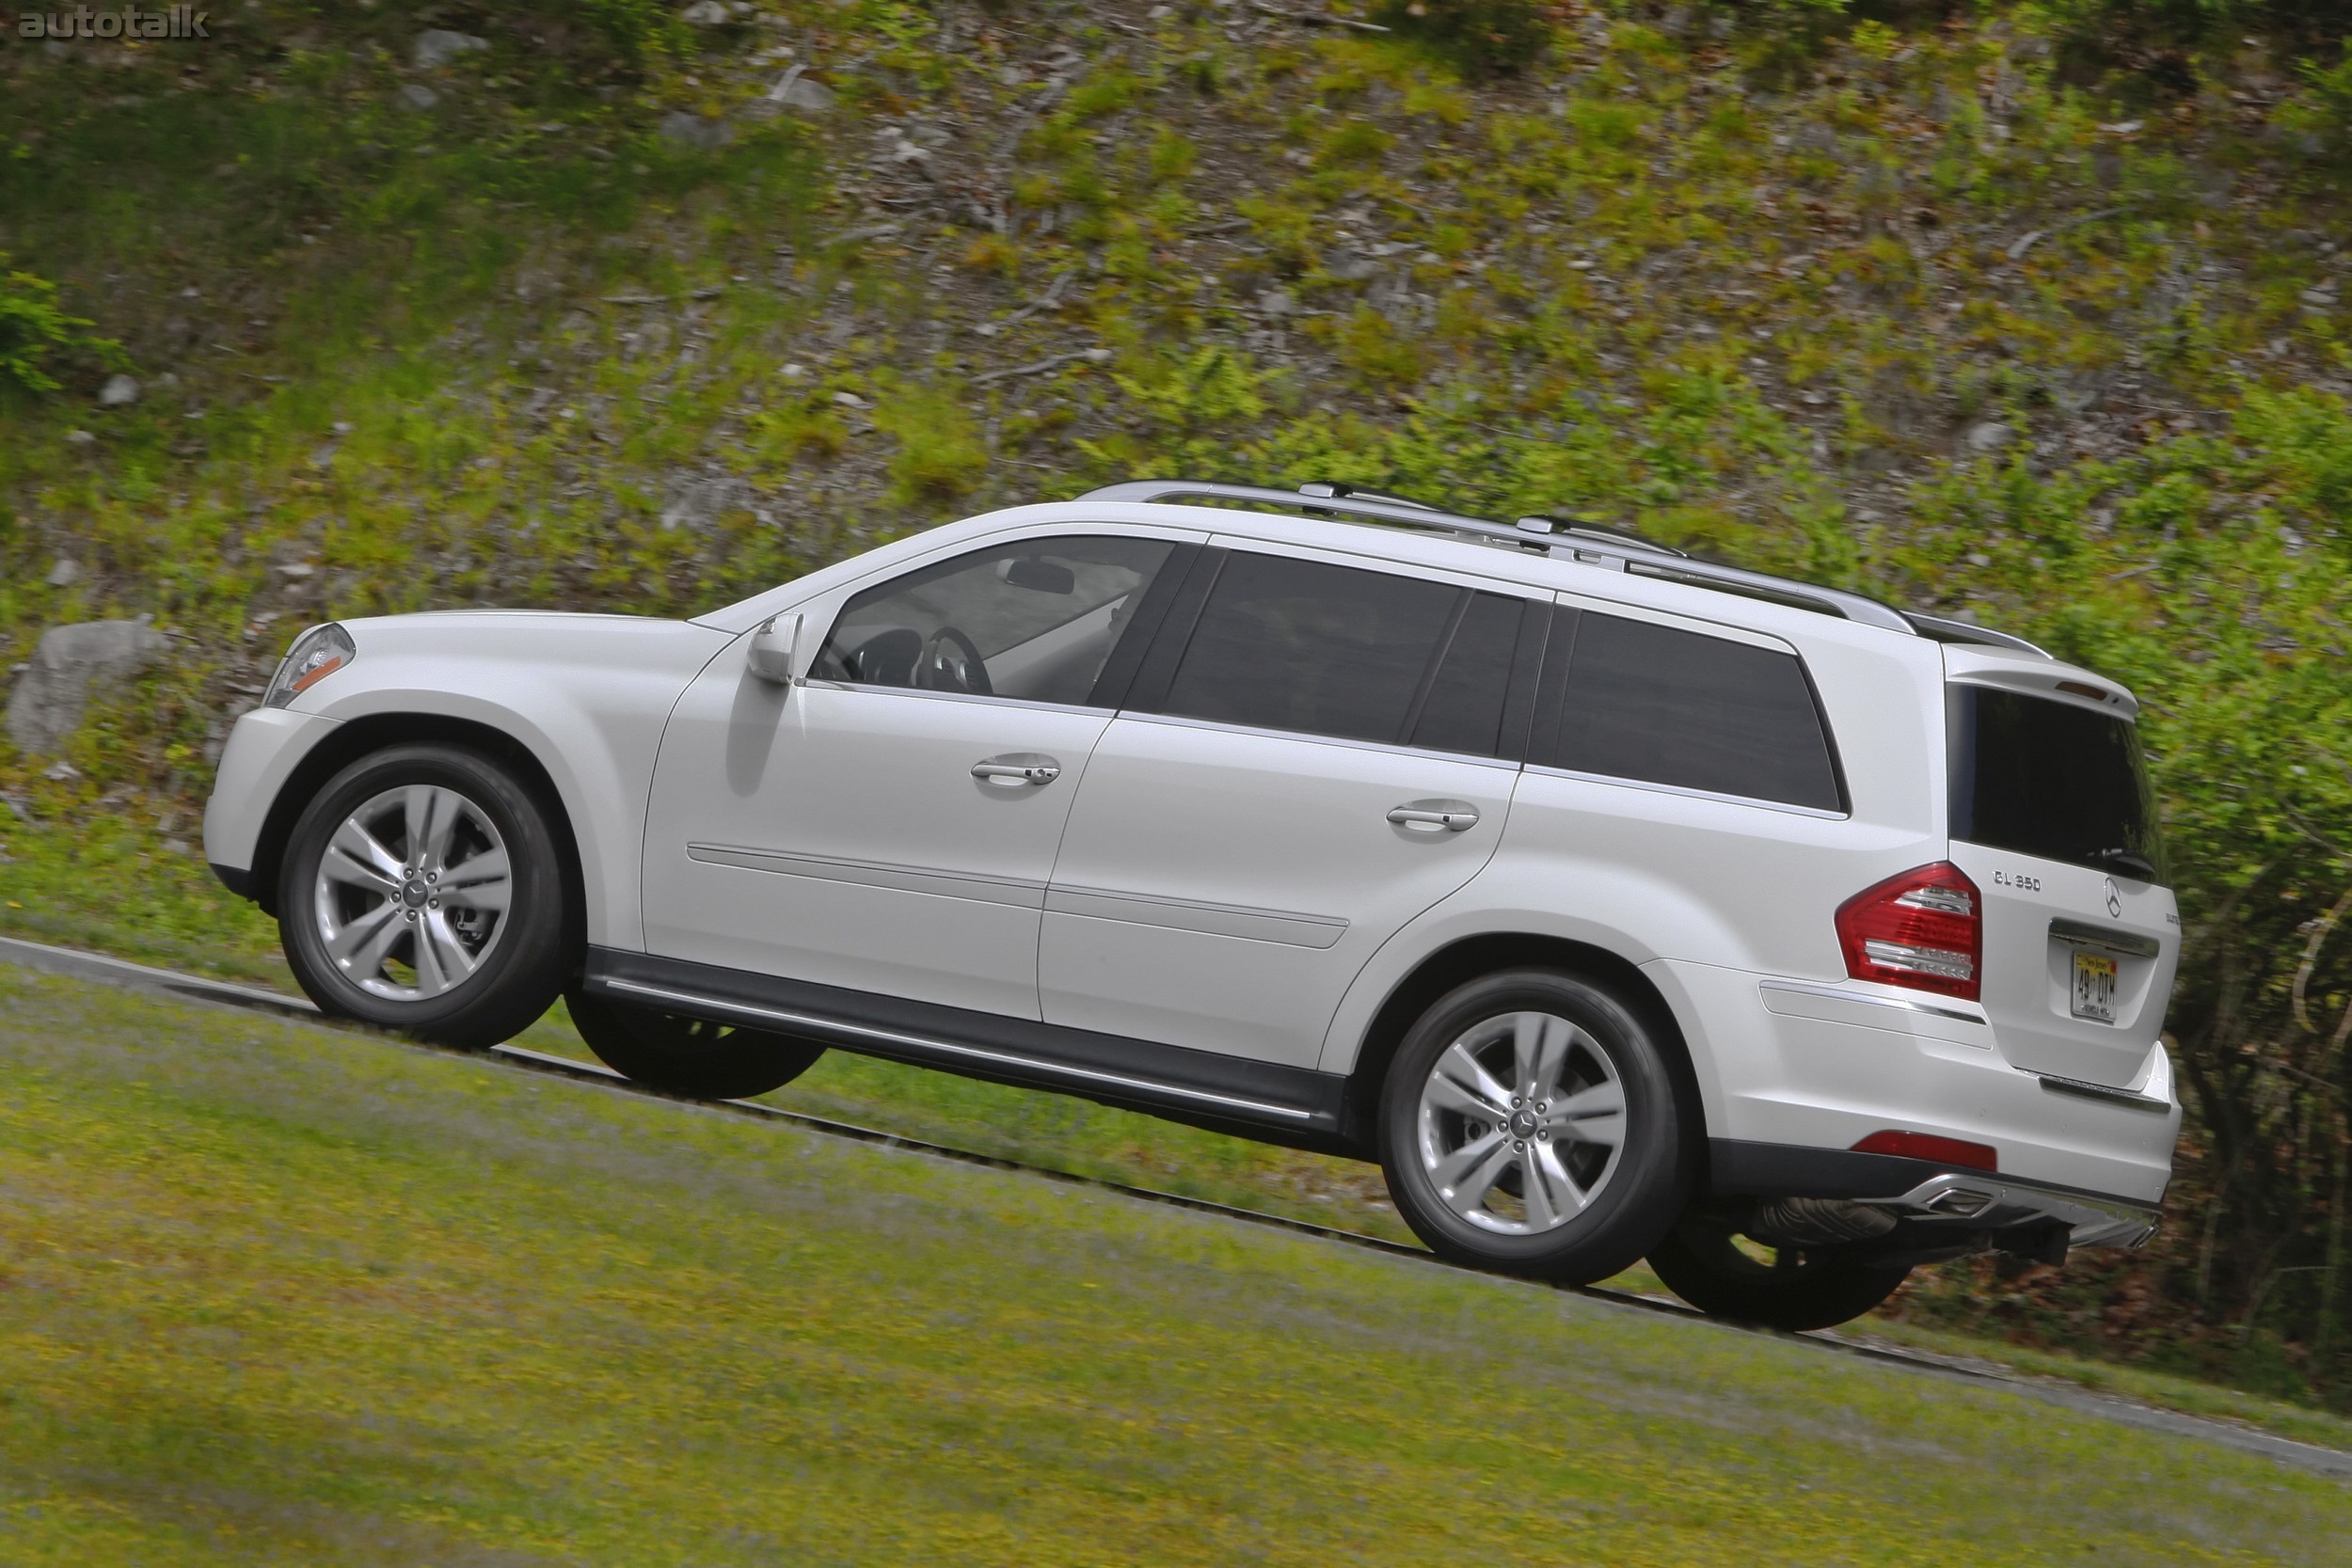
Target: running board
1293,1105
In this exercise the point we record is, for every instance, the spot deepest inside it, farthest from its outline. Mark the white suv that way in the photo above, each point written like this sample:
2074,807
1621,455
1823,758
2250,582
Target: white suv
1619,904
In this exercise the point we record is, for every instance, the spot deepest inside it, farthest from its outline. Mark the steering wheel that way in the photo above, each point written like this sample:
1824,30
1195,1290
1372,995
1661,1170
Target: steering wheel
950,662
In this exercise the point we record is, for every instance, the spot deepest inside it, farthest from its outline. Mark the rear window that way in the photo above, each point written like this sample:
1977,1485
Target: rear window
1678,707
2043,778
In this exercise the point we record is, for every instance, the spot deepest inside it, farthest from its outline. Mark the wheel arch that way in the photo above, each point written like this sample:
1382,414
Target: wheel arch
359,737
1466,959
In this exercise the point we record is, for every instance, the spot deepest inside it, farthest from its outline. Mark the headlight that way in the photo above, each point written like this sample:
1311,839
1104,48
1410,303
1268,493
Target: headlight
315,655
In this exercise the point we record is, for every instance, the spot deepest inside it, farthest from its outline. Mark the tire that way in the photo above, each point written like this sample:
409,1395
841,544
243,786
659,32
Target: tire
1799,1290
692,1057
423,891
1560,1200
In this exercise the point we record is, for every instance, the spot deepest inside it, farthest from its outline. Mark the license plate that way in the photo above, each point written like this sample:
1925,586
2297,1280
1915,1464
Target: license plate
2095,986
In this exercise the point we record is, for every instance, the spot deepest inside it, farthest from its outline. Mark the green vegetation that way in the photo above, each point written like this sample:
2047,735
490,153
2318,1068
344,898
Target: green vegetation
33,331
637,313
275,1294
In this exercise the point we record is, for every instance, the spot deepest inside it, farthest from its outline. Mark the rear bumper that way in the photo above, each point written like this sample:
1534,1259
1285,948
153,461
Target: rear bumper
1926,1189
1793,1075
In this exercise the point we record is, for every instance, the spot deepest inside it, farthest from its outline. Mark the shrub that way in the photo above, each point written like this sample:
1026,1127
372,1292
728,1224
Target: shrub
33,328
1482,36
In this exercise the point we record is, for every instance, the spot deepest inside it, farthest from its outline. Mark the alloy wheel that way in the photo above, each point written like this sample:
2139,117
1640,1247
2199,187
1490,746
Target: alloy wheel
1520,1122
412,892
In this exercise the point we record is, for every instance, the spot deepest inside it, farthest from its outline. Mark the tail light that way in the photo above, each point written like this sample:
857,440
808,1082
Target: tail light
1924,929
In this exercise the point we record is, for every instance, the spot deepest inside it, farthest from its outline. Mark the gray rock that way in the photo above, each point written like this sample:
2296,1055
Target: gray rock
51,696
79,438
64,572
707,14
1992,435
695,131
795,92
119,390
696,502
436,46
416,95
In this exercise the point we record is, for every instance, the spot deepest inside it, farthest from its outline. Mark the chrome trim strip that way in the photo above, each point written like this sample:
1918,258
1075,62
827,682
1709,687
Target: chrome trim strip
890,1036
986,699
1906,1003
2133,1098
1288,927
977,886
2091,1220
1690,794
1179,722
2102,936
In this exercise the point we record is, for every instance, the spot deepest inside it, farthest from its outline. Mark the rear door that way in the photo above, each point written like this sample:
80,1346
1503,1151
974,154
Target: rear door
2053,819
1315,754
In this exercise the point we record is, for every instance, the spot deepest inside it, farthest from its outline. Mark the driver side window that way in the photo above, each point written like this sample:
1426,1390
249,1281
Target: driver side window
1035,619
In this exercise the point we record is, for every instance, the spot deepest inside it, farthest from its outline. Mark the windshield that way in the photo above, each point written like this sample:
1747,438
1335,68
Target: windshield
2046,778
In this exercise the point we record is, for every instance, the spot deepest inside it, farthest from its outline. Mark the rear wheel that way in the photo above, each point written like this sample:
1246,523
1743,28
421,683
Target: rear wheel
688,1056
1530,1125
422,890
1702,1261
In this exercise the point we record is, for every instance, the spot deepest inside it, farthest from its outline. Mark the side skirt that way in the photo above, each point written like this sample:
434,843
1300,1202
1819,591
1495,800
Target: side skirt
1297,1107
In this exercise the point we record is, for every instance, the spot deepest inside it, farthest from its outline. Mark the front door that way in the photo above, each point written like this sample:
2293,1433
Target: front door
889,823
1313,754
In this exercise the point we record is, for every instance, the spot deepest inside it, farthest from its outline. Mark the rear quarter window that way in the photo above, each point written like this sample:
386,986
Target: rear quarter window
1664,706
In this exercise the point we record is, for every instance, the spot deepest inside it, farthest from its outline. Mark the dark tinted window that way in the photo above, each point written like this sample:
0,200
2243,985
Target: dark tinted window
2045,778
1679,708
1463,709
1037,619
1288,644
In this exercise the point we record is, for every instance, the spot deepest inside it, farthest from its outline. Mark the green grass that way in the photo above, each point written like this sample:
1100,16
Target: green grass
275,1294
105,885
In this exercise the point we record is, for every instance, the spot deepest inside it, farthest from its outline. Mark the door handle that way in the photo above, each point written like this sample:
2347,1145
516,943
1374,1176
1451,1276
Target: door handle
1427,816
1011,772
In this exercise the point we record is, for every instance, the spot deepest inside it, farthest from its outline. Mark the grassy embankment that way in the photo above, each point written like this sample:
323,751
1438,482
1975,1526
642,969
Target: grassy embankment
1914,311
270,1294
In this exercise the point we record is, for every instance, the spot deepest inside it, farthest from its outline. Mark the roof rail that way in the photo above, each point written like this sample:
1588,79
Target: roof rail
1944,630
1593,546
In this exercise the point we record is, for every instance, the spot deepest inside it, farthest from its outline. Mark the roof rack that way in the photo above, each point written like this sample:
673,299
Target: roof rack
1944,630
1593,546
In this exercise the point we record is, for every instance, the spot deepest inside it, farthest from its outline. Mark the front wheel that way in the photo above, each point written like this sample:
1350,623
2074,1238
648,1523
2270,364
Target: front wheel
1798,1289
688,1056
422,890
1530,1125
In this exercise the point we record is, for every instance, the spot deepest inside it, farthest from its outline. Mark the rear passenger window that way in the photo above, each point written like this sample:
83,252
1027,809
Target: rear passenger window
1462,710
1288,644
1678,707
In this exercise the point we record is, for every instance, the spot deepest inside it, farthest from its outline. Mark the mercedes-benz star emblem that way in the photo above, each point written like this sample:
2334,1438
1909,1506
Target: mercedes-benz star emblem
2115,899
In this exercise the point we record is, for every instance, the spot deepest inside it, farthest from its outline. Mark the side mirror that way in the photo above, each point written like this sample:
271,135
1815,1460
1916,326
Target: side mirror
774,648
1039,576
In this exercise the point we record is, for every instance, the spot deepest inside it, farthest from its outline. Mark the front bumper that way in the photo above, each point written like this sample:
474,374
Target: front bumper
1793,1075
263,749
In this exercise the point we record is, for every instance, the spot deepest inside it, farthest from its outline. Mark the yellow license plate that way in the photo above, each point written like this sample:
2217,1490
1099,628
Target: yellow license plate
2094,986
